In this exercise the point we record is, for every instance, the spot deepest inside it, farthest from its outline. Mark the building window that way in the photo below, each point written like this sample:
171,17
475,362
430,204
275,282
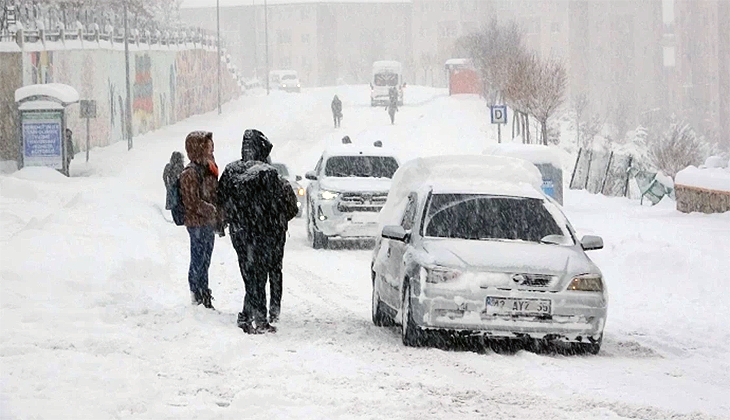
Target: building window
533,26
284,37
305,38
669,57
304,13
555,27
285,62
447,29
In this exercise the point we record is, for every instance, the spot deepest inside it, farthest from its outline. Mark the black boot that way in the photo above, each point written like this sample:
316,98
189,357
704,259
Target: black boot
207,298
245,324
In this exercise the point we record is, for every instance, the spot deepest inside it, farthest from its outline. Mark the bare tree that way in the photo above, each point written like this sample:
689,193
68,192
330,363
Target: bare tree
675,149
551,79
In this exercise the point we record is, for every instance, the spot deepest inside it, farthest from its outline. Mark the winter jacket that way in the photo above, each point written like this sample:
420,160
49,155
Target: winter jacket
255,200
336,106
171,174
199,183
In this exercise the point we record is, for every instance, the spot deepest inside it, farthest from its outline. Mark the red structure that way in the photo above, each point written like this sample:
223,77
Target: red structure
462,78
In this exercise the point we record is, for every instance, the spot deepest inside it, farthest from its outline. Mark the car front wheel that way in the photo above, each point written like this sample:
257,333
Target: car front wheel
412,335
317,239
380,317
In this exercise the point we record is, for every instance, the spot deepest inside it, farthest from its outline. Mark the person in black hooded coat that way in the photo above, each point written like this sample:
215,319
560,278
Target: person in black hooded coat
257,206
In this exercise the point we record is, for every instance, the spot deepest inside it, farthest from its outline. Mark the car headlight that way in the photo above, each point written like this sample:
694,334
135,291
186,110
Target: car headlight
587,283
301,192
437,275
328,195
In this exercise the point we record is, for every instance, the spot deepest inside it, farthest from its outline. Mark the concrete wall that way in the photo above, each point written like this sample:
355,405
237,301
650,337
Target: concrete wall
693,199
168,84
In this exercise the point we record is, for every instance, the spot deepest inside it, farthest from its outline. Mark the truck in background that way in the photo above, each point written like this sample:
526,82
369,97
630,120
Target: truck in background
386,74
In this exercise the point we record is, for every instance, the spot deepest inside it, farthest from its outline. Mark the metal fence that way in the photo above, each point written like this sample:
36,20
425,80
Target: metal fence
600,172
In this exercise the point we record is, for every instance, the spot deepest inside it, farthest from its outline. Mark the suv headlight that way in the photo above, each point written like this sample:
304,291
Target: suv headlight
328,195
587,283
437,275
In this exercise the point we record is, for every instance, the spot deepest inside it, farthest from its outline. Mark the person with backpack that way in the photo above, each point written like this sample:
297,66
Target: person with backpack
258,205
198,190
170,175
336,110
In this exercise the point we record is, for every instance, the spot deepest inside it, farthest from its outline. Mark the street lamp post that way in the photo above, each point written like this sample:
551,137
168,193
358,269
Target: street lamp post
266,31
218,18
128,111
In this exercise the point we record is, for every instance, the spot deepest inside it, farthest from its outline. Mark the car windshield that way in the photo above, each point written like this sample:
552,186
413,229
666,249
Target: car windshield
386,79
289,77
361,166
281,168
486,217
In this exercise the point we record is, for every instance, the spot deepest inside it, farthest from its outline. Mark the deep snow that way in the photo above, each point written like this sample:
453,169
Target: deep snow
96,321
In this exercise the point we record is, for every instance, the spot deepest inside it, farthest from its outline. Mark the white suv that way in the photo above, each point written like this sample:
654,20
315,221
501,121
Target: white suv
348,189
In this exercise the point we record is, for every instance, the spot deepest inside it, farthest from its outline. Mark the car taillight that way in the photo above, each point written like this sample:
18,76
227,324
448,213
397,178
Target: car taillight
301,192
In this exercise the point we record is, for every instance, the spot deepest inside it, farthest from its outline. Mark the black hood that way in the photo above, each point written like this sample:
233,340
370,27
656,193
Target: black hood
255,146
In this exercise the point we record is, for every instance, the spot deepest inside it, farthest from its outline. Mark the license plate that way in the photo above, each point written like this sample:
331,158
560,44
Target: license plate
514,306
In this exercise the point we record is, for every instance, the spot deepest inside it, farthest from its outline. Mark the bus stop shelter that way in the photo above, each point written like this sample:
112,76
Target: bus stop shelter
42,127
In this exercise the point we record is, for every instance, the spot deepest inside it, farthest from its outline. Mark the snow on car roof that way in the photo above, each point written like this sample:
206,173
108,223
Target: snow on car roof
466,173
488,187
535,153
357,150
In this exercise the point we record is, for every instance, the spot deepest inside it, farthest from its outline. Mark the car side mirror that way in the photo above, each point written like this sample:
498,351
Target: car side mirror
311,175
590,242
298,178
395,232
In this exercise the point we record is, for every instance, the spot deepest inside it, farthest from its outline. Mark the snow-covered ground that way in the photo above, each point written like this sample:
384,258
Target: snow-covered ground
95,320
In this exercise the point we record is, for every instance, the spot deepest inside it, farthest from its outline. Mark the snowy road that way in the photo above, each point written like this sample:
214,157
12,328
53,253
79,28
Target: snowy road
96,322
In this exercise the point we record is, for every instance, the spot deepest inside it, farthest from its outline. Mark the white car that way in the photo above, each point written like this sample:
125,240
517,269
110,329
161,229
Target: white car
348,188
471,245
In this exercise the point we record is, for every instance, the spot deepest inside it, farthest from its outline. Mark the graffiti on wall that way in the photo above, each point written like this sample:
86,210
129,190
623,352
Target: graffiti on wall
143,106
42,67
195,83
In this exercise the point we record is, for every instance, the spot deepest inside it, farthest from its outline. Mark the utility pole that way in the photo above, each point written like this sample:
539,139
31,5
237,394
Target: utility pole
266,31
218,17
255,41
128,112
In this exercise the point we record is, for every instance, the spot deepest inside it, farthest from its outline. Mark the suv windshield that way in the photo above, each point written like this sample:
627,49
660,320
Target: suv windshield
386,79
485,217
288,77
281,168
361,166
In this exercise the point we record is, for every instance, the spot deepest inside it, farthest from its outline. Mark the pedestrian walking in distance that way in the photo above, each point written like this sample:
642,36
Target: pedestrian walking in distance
336,111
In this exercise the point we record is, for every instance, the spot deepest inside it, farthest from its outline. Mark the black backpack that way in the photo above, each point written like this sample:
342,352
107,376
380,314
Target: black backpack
178,208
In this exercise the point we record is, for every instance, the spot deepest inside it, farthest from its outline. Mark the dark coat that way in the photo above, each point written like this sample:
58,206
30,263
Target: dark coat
171,174
199,183
254,199
336,106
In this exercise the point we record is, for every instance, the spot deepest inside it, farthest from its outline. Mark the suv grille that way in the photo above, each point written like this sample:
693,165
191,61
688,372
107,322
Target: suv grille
365,202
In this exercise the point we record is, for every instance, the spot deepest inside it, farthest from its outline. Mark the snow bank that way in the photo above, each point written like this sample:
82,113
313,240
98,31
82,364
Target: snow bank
711,178
474,172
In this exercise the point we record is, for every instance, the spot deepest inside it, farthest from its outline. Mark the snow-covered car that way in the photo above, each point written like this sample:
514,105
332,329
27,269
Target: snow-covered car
294,182
348,188
471,245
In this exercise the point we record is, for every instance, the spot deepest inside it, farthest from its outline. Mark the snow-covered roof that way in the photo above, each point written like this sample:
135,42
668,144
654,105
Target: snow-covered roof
466,174
387,64
717,179
457,61
535,153
198,4
64,94
39,105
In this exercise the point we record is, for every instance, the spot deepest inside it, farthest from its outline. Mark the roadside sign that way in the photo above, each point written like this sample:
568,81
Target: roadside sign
499,114
43,139
87,109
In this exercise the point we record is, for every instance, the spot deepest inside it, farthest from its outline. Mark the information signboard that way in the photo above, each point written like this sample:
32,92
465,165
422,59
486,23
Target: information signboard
43,139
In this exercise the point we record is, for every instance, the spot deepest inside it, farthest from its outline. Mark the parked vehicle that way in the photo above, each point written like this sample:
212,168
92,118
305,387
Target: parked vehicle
348,188
471,245
295,185
286,80
386,74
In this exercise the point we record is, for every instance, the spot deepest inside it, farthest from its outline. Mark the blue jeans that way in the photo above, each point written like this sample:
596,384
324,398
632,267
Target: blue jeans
202,239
